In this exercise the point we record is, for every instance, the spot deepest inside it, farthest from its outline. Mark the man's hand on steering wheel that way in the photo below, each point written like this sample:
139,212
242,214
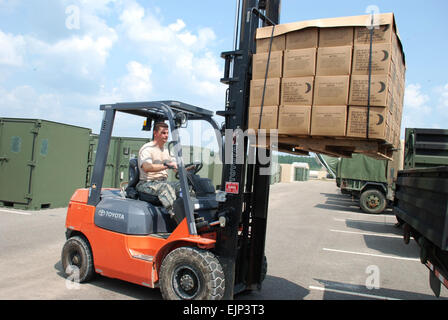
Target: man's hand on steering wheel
171,165
192,168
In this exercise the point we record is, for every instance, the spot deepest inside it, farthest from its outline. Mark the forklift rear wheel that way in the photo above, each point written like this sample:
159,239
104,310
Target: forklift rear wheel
77,259
191,274
372,201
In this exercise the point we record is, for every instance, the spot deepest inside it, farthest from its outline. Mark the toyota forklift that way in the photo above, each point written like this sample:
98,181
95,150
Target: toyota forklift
212,247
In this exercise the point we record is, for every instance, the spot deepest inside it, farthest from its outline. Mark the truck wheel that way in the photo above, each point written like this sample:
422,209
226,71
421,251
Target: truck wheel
264,268
191,274
372,201
77,259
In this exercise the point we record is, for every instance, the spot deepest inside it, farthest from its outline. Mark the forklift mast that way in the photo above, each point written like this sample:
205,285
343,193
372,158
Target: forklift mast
241,244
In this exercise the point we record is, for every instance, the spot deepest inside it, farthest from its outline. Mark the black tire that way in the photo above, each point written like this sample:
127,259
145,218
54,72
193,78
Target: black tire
264,268
77,257
373,201
191,274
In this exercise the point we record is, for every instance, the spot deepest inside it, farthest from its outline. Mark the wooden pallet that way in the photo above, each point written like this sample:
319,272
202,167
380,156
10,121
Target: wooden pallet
332,146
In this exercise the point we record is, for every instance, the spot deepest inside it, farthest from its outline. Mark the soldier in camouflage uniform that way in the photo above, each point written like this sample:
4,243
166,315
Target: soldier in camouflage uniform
153,160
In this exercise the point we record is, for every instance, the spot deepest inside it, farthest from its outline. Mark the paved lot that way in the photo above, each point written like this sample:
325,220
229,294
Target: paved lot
319,246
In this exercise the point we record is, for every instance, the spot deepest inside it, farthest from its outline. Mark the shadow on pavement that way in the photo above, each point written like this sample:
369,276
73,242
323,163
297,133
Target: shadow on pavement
342,202
118,286
382,292
275,288
374,227
339,202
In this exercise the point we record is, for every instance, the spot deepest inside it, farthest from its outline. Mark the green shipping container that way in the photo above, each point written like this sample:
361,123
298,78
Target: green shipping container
41,162
301,174
121,150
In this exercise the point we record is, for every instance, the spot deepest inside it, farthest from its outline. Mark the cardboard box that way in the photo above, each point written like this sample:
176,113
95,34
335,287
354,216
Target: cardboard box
381,34
332,93
302,39
299,63
329,121
297,91
272,92
334,61
381,59
333,37
278,44
304,34
269,119
331,90
379,127
398,55
294,120
259,64
379,92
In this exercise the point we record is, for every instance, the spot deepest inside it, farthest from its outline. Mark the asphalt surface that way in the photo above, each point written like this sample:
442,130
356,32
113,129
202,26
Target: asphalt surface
319,246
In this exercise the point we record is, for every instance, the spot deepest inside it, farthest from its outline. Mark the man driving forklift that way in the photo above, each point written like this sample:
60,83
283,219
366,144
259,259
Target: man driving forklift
154,161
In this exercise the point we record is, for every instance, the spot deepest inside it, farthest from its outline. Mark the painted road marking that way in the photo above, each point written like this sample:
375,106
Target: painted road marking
373,222
16,212
372,255
368,234
352,293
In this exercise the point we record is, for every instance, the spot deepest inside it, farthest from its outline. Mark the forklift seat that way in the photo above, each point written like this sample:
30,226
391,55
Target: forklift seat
131,191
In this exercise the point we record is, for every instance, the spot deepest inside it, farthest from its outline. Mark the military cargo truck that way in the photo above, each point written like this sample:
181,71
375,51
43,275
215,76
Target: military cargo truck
365,178
421,200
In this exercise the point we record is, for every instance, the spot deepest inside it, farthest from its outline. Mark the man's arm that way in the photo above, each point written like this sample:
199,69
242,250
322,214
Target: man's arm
151,167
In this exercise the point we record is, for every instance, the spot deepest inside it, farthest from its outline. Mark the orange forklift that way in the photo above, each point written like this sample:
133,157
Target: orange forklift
213,246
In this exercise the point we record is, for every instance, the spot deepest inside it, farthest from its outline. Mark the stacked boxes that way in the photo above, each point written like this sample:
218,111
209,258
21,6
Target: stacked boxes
387,85
318,79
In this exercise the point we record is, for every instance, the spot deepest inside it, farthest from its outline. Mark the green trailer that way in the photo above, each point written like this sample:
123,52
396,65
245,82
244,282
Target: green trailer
41,162
368,179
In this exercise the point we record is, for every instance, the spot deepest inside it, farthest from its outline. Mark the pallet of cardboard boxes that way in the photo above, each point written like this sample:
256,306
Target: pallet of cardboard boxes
317,85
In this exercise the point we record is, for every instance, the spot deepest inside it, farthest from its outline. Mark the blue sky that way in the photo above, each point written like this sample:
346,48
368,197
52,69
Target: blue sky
53,68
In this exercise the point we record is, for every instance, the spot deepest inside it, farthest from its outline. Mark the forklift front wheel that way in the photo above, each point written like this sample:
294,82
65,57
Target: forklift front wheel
191,274
77,259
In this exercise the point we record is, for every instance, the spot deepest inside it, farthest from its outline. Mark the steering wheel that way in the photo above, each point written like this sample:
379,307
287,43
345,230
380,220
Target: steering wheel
192,168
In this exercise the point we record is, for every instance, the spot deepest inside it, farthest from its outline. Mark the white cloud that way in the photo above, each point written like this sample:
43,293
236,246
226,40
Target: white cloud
136,85
12,49
184,53
73,72
177,26
414,98
416,111
443,100
422,110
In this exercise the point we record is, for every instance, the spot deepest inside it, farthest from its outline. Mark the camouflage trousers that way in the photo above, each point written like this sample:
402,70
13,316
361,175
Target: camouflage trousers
166,191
